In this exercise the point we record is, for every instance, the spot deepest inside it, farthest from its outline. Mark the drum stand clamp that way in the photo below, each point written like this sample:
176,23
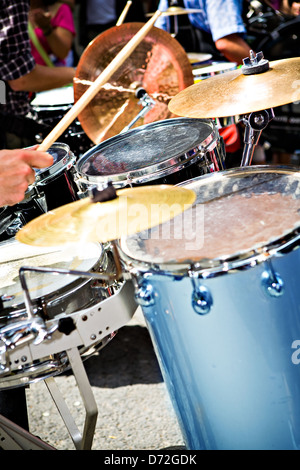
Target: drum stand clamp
256,122
147,104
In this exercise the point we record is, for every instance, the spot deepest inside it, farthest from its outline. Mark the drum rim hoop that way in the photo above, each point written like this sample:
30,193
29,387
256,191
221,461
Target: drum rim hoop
284,244
156,170
64,163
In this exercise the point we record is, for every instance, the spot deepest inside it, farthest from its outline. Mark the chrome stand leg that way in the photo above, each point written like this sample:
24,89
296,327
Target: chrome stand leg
84,441
13,437
255,124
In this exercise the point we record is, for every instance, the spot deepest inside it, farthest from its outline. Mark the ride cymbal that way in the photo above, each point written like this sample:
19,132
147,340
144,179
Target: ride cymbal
134,210
174,11
233,94
159,65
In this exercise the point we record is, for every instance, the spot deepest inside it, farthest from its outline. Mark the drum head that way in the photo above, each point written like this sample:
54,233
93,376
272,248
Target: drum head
54,98
146,151
14,255
62,157
237,214
215,68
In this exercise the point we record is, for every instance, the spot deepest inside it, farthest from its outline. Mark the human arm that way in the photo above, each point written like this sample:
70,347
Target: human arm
58,29
226,24
233,48
16,173
43,78
291,8
17,65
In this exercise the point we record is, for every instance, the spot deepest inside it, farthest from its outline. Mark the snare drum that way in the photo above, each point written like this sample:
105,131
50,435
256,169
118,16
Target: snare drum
219,290
57,298
164,152
54,187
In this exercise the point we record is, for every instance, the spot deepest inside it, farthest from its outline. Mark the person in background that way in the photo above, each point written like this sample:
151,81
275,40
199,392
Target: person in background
218,28
96,16
52,32
16,173
22,76
288,7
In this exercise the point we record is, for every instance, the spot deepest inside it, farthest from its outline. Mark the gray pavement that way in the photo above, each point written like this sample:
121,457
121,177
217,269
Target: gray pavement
135,412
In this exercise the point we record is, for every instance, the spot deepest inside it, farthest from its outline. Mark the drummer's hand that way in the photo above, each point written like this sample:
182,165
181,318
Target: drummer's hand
16,173
41,18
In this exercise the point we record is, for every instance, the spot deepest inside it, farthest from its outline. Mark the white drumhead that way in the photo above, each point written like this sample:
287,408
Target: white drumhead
214,69
14,255
57,97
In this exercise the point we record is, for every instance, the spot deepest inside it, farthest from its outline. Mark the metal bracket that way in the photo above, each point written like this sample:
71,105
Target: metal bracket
255,124
13,437
82,441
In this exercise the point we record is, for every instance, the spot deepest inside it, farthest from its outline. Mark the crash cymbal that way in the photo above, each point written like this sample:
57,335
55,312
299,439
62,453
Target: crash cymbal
233,94
134,210
175,11
159,65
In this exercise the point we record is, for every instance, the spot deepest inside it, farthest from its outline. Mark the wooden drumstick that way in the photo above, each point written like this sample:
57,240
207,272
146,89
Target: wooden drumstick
92,91
124,13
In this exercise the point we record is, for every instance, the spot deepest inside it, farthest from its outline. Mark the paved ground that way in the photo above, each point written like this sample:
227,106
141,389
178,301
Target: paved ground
134,409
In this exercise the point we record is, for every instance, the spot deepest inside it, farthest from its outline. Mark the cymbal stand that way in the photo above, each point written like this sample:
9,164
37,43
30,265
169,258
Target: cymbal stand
255,123
147,102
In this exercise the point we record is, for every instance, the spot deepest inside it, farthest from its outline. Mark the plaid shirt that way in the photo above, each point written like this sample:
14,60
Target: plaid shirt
15,53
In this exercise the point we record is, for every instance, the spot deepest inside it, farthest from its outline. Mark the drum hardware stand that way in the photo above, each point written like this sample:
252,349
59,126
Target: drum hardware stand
13,437
146,101
84,441
256,122
174,4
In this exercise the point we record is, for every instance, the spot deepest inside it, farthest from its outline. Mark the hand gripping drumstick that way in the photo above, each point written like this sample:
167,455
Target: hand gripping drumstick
92,91
124,13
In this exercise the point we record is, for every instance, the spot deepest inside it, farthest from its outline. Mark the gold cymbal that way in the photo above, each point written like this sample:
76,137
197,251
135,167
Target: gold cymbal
233,94
159,65
174,11
134,210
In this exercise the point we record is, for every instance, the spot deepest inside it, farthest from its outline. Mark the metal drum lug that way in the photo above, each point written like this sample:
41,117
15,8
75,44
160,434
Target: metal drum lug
145,295
272,284
202,300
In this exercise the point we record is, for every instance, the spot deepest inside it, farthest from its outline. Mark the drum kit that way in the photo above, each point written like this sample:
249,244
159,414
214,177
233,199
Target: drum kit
155,220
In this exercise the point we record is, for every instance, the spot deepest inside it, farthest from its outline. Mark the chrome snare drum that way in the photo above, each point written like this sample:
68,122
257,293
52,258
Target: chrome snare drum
82,313
168,151
219,290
